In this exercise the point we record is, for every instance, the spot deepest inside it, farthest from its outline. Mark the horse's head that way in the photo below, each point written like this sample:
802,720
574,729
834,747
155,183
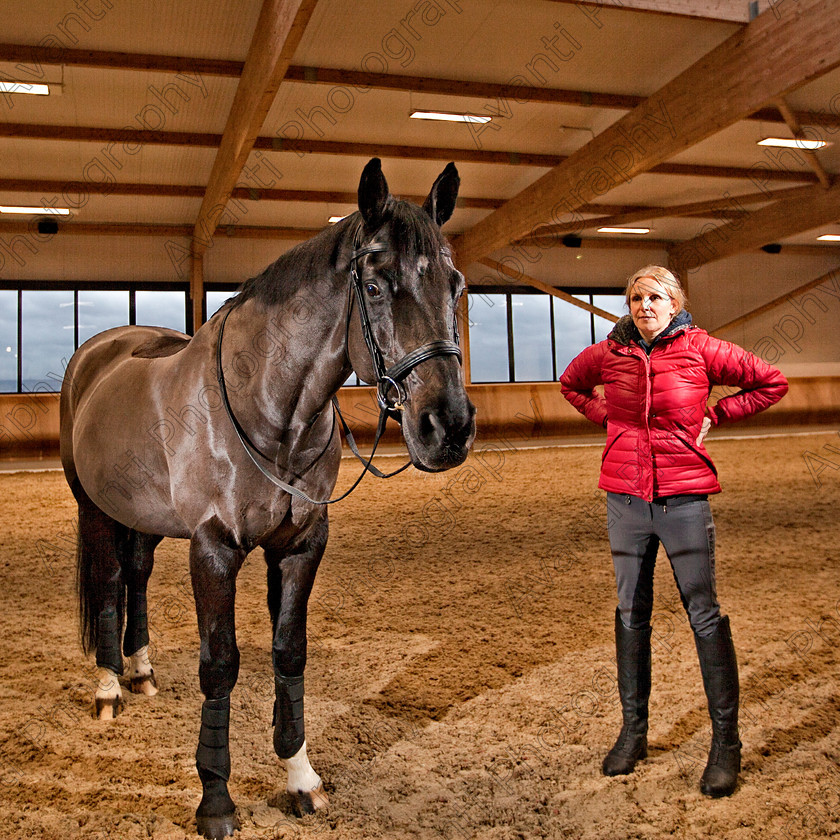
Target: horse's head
409,290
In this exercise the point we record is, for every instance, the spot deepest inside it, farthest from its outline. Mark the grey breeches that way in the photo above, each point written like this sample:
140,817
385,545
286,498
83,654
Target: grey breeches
685,528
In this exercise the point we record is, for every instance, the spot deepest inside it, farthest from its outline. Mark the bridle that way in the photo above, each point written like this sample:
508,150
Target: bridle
392,378
388,380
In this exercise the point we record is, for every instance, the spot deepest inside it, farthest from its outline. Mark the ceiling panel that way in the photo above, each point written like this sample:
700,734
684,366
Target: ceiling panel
516,41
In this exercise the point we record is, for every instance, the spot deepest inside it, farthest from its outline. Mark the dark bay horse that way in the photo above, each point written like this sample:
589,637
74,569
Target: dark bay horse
163,435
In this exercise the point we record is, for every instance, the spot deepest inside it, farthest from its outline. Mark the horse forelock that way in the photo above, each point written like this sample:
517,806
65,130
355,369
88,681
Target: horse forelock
414,233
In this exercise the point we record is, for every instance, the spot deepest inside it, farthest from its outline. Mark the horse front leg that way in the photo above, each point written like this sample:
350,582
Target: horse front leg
290,579
215,560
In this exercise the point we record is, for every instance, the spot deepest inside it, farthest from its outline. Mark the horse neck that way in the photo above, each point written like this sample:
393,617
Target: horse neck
289,359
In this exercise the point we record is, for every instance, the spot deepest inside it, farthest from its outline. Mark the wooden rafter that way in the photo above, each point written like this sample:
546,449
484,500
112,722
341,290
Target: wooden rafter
170,231
139,137
280,27
796,129
762,227
728,206
620,214
526,280
773,304
723,87
728,11
76,188
32,58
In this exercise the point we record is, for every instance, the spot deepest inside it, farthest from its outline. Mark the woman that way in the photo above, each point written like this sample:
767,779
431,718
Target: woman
657,370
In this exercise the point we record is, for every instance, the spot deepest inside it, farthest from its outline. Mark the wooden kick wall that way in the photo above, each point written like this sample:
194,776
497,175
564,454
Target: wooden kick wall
29,423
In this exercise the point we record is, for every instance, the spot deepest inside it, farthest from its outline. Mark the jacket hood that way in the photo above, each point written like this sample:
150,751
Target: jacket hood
625,331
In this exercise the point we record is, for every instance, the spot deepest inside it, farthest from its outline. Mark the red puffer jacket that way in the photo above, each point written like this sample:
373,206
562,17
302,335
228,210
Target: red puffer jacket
653,406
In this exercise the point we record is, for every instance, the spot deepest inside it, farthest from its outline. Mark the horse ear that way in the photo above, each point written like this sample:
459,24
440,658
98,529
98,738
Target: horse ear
373,194
441,201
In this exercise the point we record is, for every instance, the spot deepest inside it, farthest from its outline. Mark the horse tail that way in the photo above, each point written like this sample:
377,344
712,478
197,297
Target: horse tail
88,608
96,558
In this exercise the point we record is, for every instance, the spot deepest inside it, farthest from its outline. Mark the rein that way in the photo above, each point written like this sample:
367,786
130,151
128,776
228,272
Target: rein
387,380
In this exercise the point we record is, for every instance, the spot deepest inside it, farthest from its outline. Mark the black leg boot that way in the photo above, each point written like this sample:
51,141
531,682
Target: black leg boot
720,679
632,648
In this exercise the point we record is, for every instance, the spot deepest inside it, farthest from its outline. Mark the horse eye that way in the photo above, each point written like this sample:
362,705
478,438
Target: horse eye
373,290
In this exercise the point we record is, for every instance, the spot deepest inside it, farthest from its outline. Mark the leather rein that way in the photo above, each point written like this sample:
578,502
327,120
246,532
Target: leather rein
388,380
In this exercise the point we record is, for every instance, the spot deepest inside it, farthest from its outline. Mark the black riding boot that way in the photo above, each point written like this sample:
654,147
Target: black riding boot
720,679
632,649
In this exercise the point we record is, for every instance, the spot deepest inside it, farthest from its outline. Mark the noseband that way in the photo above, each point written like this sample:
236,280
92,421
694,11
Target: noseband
392,378
388,379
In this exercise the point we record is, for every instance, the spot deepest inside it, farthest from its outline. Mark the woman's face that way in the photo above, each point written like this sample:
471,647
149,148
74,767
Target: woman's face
651,307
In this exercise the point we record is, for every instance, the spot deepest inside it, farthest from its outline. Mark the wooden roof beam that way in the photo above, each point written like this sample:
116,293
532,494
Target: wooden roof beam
32,58
762,227
796,129
729,205
139,137
170,231
720,89
722,11
280,26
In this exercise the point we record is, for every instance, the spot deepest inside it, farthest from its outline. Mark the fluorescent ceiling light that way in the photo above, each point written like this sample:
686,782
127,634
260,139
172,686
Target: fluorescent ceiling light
444,117
36,211
638,231
792,143
829,237
333,219
24,87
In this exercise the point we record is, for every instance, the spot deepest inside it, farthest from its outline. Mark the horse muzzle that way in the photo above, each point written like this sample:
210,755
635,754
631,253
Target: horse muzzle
439,435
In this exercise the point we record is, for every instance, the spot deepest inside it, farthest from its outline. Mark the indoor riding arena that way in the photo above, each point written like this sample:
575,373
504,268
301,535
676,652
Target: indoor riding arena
456,194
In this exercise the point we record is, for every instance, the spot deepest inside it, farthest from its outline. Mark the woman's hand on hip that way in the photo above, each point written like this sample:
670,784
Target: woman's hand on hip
704,430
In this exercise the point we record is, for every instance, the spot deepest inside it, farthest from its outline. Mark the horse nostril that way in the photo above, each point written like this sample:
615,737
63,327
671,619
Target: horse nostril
431,429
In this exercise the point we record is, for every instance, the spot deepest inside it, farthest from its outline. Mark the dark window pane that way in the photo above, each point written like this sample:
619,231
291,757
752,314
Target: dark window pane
488,338
610,303
161,309
48,333
8,340
531,337
572,331
100,310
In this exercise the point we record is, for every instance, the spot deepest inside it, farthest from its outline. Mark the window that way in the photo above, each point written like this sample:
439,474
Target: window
40,329
531,321
215,301
572,331
47,338
161,309
615,305
101,310
489,351
521,337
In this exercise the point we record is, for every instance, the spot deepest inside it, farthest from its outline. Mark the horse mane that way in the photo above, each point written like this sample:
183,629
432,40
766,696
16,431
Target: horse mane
411,227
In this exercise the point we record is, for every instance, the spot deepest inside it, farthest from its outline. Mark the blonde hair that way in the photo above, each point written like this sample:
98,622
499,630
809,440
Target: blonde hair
663,276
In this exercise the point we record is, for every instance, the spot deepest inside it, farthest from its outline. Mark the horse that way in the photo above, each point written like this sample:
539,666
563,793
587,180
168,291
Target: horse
229,439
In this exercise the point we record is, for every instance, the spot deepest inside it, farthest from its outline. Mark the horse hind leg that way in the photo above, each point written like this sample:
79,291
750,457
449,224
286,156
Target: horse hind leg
137,560
101,600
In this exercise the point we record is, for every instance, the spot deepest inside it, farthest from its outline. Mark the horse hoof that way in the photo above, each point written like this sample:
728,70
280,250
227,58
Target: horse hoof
144,685
107,708
217,828
311,801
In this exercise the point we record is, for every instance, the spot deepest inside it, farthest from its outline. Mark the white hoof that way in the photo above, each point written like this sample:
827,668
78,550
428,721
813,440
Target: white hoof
107,700
141,674
304,784
311,801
